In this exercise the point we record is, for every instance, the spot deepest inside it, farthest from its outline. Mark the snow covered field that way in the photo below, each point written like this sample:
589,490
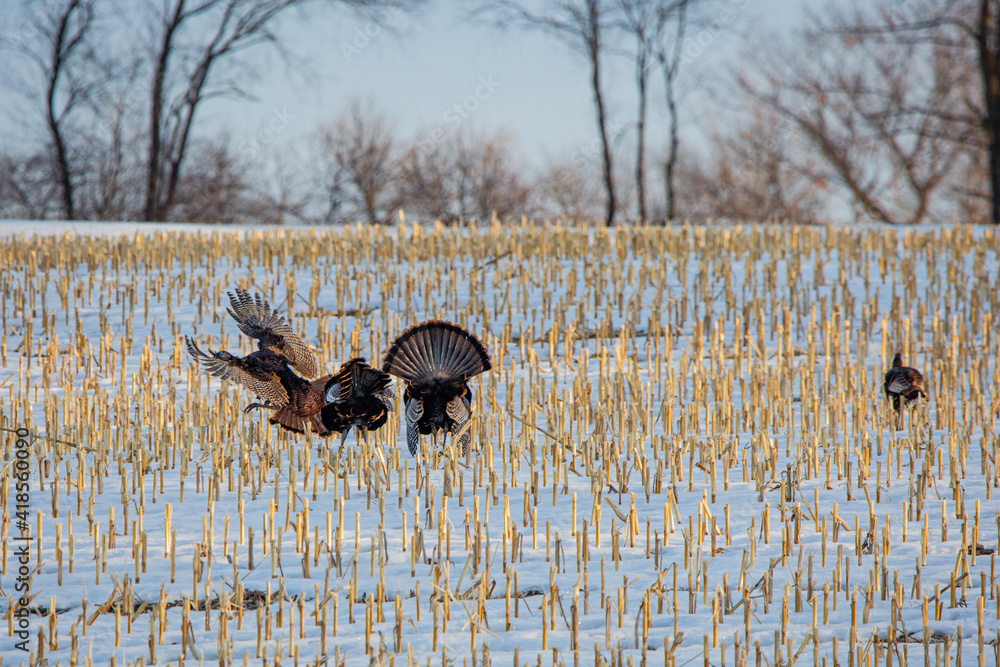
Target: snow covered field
683,452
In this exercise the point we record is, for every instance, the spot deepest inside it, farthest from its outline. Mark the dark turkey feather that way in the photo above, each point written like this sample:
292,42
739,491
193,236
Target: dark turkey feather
357,396
902,385
259,372
356,379
436,359
305,406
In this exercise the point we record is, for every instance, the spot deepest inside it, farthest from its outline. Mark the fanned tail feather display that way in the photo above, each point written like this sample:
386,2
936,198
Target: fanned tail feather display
436,349
286,418
436,359
357,379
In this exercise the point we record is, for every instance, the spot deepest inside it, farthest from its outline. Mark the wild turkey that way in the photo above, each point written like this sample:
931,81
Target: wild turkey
268,372
436,359
358,396
903,385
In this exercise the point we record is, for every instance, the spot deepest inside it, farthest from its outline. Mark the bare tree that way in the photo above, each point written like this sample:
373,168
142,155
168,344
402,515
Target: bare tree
85,93
567,190
332,187
493,182
362,145
987,35
218,188
750,175
233,26
669,56
59,30
89,87
298,181
71,25
180,85
427,174
967,34
27,190
872,112
109,165
658,27
636,19
581,24
453,176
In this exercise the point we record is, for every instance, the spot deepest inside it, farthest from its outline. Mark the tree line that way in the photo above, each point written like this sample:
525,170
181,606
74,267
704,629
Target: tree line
886,111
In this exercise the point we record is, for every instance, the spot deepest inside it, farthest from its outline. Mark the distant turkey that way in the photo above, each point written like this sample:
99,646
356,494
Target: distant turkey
358,396
903,385
436,359
270,371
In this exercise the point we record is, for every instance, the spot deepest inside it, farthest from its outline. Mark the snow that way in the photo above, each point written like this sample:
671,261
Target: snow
726,376
107,228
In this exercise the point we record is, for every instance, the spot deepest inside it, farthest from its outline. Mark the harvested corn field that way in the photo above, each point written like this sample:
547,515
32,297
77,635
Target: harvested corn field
682,454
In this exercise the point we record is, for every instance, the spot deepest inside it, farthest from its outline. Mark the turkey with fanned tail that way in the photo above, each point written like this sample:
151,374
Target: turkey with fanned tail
358,396
436,360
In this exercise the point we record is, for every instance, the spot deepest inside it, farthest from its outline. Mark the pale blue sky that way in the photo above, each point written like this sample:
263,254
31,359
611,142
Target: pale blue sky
530,84
527,82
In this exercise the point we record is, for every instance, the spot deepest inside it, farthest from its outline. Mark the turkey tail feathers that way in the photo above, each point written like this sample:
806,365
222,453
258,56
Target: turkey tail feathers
357,379
365,380
286,418
436,348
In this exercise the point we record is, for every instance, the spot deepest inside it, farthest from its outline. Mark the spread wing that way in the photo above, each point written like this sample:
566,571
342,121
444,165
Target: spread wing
264,384
255,318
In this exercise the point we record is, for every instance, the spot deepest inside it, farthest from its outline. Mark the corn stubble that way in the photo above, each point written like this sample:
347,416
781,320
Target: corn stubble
683,446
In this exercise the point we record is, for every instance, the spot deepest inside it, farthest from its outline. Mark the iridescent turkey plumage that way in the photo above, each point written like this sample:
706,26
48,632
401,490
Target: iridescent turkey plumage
358,396
436,359
279,372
